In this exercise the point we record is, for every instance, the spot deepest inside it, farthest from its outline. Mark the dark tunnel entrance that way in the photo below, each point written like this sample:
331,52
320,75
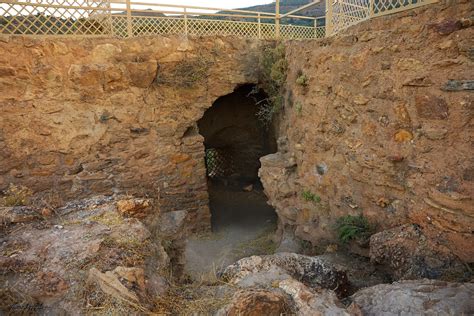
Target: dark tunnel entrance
234,140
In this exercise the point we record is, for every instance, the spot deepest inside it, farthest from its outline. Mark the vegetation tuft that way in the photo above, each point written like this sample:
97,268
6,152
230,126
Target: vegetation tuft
51,199
302,80
299,108
187,73
273,72
310,197
351,227
16,196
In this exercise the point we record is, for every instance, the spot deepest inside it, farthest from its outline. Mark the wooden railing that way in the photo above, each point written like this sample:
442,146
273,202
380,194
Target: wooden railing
193,20
341,14
128,18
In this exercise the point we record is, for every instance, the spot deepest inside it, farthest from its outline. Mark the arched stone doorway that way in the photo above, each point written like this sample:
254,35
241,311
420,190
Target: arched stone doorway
234,140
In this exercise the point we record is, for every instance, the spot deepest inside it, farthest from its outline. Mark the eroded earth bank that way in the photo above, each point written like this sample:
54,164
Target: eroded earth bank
171,175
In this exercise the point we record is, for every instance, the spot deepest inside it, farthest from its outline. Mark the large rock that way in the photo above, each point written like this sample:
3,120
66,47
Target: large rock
419,297
19,214
110,284
431,107
313,271
142,74
289,243
256,302
105,53
173,224
138,208
409,254
309,302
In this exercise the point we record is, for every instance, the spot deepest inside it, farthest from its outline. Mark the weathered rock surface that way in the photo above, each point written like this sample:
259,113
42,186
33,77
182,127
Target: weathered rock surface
85,255
313,271
420,297
256,302
310,302
111,285
409,254
415,297
83,117
459,85
379,130
289,243
173,224
138,208
19,214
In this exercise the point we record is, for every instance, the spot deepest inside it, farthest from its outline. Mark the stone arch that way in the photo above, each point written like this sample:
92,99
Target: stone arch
234,140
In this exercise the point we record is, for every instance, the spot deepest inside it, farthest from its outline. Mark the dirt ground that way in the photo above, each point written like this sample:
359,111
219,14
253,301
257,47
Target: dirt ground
242,225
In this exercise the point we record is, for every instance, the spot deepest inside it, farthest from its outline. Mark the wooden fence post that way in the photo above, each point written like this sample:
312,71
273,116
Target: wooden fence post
129,19
110,19
329,17
371,11
185,22
259,26
277,19
315,28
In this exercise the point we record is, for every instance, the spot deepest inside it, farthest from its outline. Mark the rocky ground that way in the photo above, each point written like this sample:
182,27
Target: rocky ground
86,256
119,255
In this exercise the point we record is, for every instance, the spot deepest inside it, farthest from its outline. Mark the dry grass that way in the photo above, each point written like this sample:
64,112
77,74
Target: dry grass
128,252
187,73
108,219
51,199
72,222
263,244
98,303
13,247
131,252
13,301
16,196
193,299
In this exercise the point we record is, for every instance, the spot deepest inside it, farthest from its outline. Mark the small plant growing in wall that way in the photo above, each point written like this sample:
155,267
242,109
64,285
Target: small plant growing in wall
273,72
187,73
299,108
302,80
352,227
311,197
16,196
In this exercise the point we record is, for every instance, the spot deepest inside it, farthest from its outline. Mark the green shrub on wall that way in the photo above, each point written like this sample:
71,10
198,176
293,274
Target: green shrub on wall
309,196
351,227
302,80
273,72
299,108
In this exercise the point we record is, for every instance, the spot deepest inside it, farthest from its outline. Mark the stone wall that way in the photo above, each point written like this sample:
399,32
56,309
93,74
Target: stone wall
89,116
383,128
